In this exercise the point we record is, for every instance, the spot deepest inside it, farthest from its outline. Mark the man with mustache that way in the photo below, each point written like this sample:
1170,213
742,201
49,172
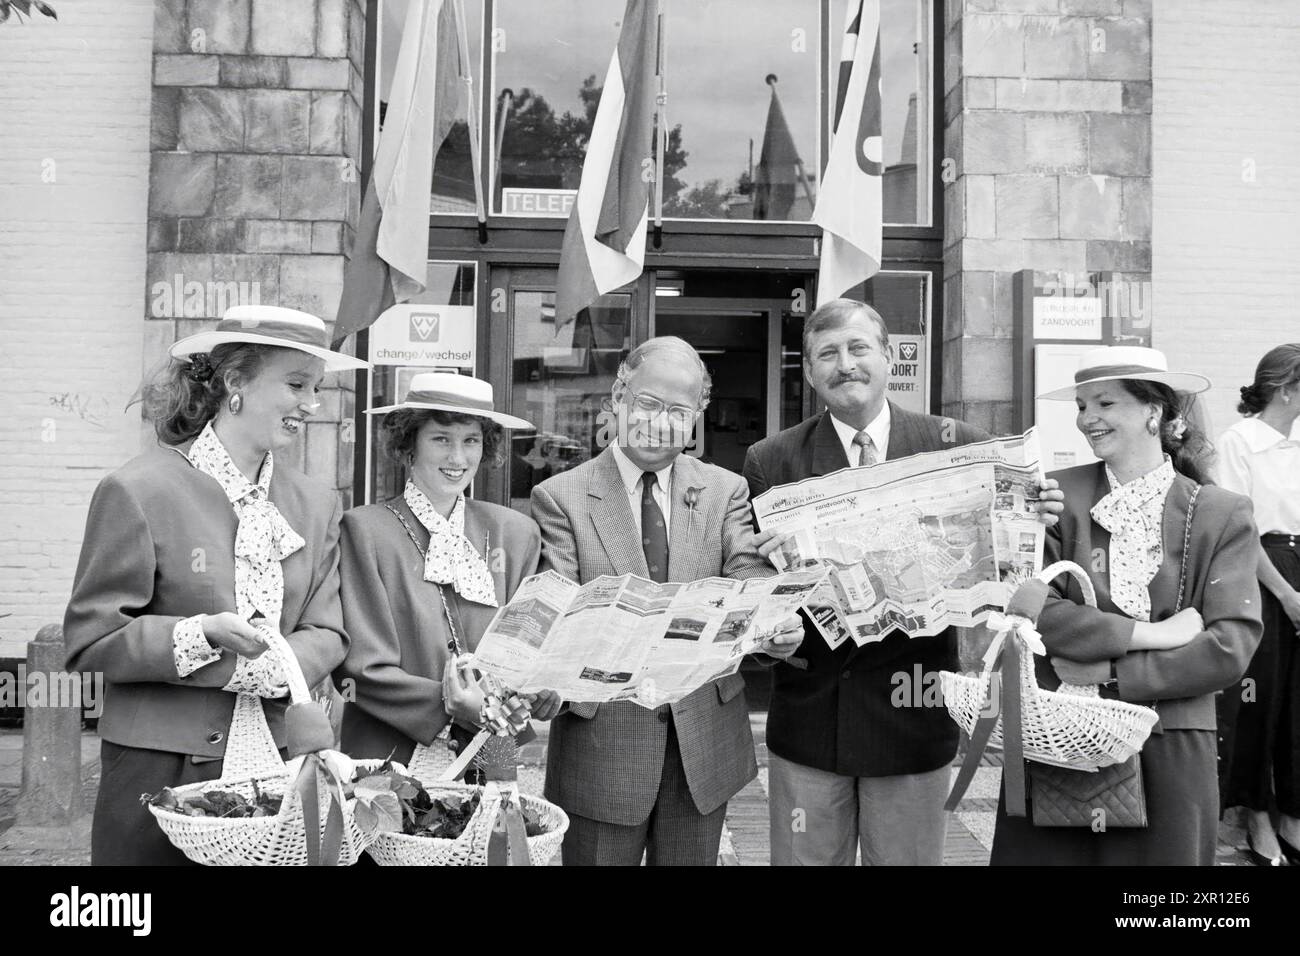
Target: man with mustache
847,767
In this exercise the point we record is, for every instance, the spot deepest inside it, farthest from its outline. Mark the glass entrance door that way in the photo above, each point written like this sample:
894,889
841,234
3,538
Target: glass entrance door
740,342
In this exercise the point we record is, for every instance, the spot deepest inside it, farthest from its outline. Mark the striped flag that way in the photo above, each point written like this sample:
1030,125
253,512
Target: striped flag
850,205
390,255
604,240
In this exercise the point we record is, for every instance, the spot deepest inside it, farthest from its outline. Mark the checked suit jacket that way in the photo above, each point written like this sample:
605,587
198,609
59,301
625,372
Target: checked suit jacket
605,760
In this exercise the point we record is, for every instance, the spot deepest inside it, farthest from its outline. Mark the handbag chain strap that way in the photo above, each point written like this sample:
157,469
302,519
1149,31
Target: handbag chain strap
453,644
1187,543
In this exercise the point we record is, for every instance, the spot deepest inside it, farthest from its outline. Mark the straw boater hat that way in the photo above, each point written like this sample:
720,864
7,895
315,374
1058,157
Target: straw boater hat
1114,362
451,392
269,325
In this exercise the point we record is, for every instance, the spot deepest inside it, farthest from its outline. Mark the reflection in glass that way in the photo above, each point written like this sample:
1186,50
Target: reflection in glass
742,108
905,29
561,382
452,190
743,91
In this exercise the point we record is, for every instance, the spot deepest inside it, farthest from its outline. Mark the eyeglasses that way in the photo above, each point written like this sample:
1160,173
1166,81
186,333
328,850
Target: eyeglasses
651,407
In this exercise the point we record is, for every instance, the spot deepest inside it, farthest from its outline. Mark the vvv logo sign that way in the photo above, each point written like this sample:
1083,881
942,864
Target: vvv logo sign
425,326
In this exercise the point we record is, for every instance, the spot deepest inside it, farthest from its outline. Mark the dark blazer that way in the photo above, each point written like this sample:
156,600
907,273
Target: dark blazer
1220,583
160,546
838,715
392,676
605,761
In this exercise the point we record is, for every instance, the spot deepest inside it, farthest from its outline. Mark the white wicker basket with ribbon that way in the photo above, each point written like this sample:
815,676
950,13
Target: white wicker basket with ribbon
496,832
474,846
1071,727
315,823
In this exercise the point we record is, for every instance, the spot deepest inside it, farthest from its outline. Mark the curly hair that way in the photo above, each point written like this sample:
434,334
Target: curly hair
186,394
401,430
1186,445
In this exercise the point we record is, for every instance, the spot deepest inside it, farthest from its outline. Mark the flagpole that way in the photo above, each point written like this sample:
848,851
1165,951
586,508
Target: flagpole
661,118
503,112
471,111
771,80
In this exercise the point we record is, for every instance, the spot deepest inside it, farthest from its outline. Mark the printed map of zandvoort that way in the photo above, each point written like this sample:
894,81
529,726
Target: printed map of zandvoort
917,544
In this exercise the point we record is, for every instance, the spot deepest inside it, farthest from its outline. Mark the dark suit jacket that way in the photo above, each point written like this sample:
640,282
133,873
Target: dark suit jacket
397,624
160,546
838,715
605,761
1220,582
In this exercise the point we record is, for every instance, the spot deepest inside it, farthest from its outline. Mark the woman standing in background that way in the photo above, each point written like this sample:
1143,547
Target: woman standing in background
1257,459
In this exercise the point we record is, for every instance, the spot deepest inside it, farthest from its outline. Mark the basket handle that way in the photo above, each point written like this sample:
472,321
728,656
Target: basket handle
1053,571
250,747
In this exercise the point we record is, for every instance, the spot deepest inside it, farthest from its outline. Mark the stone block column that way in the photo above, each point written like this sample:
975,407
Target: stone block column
1047,165
255,186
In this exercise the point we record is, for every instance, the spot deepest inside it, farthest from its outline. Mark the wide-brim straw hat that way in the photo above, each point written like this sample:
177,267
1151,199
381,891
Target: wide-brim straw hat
269,325
1111,363
451,392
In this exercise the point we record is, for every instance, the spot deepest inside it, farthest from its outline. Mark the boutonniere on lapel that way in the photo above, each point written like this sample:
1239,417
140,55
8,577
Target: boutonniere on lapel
692,499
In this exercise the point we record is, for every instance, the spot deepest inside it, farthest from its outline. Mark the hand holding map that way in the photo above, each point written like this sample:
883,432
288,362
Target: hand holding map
916,544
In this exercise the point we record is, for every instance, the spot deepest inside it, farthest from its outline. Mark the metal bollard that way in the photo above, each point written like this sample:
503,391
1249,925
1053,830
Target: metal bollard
51,791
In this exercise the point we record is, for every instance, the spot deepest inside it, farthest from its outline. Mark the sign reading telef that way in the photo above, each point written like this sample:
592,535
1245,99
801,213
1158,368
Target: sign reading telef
430,336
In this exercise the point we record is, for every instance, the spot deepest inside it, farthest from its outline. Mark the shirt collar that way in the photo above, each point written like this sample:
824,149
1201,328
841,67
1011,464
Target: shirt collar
877,428
631,473
209,456
1260,435
1144,487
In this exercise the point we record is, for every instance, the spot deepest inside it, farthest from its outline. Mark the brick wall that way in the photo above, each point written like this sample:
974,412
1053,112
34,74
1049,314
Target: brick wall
1226,211
1047,165
74,171
256,133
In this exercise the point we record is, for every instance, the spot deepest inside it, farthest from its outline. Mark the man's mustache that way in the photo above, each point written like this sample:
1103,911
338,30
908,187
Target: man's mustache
839,380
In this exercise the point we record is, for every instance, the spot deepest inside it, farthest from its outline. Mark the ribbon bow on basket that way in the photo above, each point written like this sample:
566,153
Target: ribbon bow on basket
313,823
1004,707
497,834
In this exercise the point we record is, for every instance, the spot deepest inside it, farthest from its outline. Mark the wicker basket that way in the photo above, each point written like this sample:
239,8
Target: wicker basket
471,847
1072,727
279,840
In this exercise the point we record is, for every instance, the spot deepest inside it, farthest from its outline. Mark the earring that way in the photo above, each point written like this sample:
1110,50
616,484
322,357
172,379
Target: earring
235,403
1153,425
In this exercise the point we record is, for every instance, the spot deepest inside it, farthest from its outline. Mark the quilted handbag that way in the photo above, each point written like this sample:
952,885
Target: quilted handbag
1110,797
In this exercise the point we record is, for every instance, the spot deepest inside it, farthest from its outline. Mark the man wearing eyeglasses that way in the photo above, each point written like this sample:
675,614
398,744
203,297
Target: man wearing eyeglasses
637,781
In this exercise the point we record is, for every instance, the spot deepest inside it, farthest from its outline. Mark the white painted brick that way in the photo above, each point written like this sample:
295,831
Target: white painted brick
76,92
1224,250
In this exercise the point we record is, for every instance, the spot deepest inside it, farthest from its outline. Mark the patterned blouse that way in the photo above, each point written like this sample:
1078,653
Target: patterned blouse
263,539
1133,514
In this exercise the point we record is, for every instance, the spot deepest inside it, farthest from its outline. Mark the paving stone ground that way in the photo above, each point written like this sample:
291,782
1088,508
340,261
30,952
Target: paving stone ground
745,838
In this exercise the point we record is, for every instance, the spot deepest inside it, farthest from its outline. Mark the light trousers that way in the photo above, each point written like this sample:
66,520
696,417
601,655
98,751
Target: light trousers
820,818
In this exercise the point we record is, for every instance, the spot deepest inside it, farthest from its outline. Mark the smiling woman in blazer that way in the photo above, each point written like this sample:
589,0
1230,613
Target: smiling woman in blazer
1125,522
189,543
424,574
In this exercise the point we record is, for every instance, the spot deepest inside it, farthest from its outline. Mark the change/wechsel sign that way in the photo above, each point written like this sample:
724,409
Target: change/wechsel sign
433,336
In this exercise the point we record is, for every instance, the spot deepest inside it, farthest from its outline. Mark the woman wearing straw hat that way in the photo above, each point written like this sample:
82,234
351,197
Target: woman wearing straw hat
424,574
186,547
1173,624
1259,460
